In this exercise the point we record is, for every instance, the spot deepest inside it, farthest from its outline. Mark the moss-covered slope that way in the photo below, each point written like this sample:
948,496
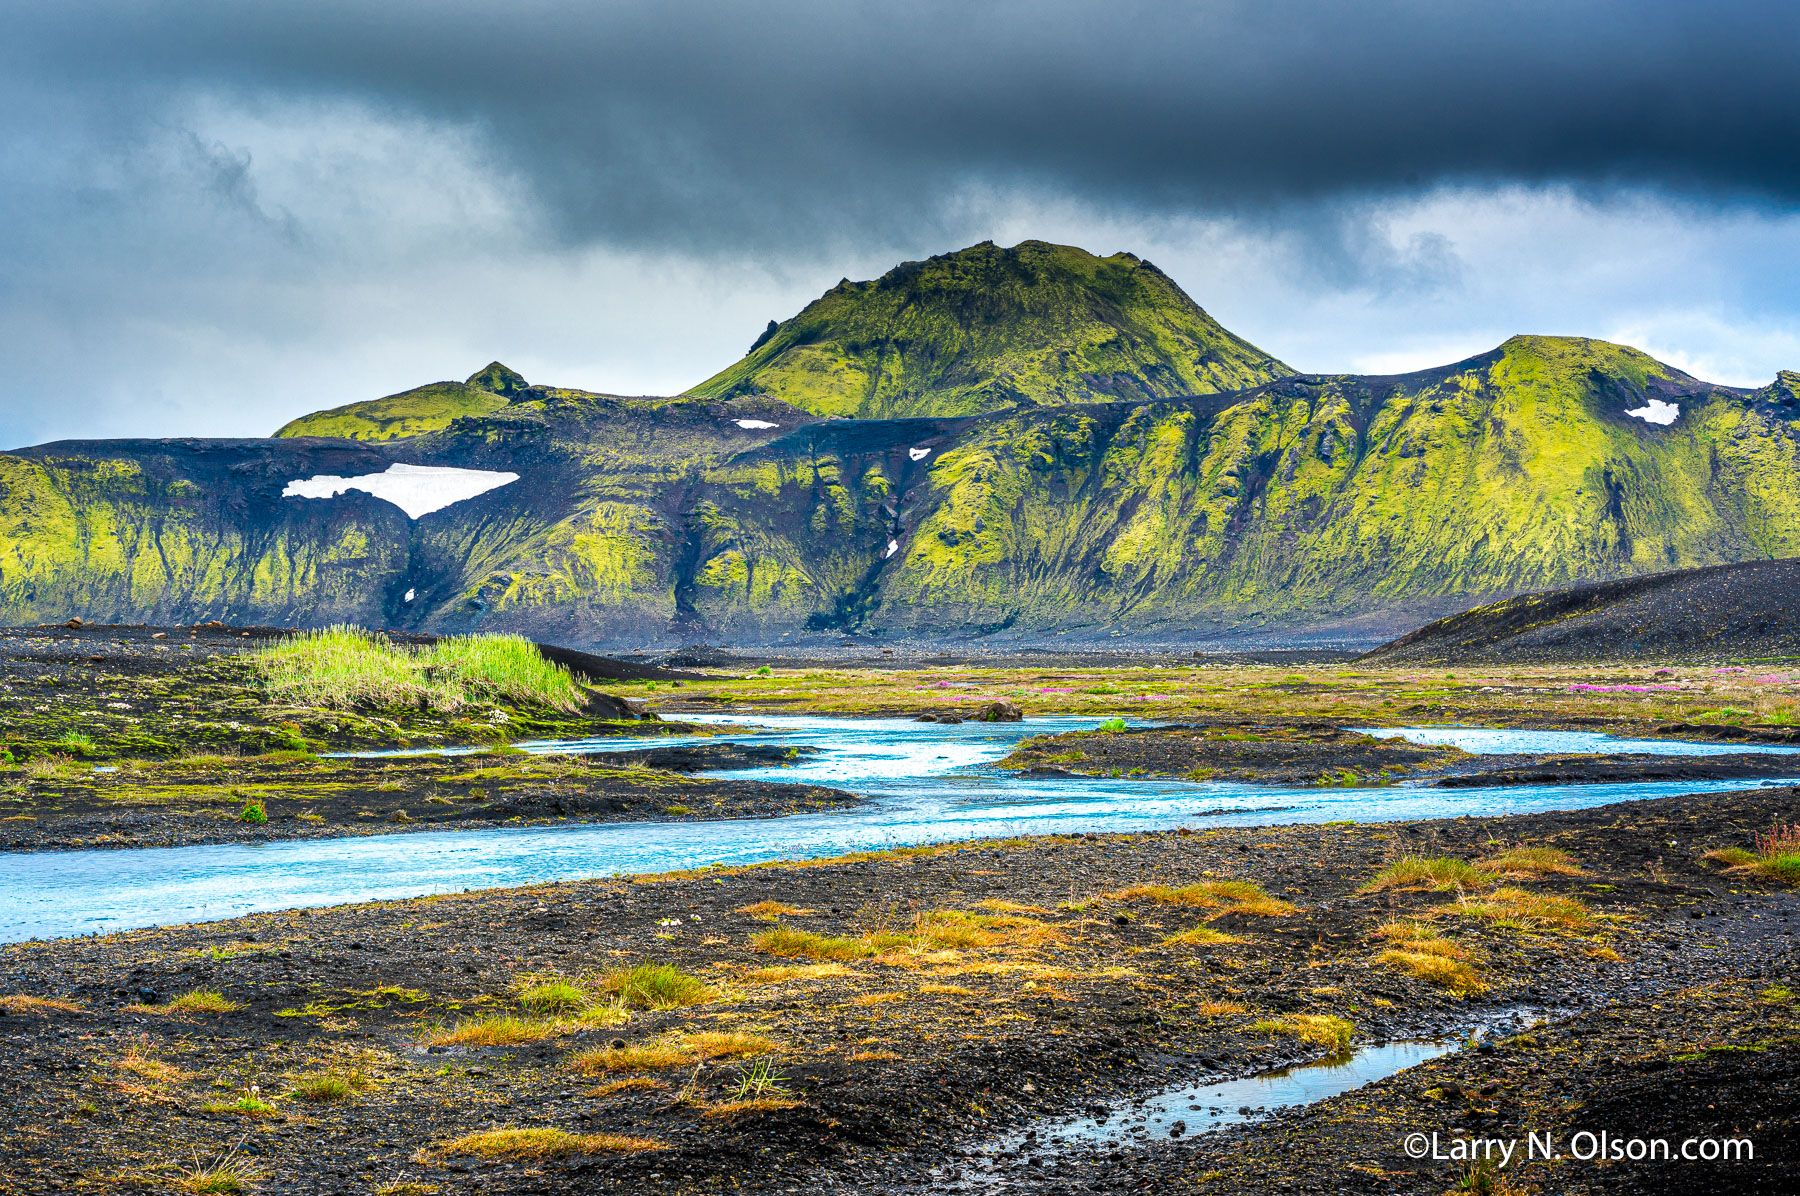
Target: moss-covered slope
1315,499
1352,505
414,412
986,328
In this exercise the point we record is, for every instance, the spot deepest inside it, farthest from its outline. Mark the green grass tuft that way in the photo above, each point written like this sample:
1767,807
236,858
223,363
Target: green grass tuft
656,986
346,667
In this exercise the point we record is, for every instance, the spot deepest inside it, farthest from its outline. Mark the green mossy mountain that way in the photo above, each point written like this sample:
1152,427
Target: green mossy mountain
988,328
428,408
1294,508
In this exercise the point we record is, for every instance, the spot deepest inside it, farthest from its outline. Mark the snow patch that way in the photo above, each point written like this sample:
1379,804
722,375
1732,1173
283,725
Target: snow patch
1656,412
918,454
756,424
893,547
410,595
416,489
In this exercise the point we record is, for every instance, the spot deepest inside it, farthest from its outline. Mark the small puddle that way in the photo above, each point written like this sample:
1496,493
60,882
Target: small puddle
1199,1108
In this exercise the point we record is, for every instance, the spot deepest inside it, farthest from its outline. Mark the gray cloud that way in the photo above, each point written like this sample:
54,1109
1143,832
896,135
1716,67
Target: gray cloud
219,215
684,122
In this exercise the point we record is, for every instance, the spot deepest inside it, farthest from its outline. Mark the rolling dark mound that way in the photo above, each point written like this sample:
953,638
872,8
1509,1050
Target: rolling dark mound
1744,610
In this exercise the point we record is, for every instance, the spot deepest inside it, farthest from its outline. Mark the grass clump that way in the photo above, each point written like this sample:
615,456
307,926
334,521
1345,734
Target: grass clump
229,1175
554,996
1518,909
1423,952
347,667
247,1105
501,1030
675,1051
1327,1030
1778,853
788,943
1438,873
202,1001
769,911
18,1003
643,1056
656,986
1530,861
543,1143
1200,936
805,971
1227,896
329,1086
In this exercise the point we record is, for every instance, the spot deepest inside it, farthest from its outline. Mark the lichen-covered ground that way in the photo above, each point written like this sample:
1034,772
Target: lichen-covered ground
856,1023
1751,701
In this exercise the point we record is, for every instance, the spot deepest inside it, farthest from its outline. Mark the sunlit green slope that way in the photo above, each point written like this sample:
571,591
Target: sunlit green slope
1315,498
1304,502
413,412
986,328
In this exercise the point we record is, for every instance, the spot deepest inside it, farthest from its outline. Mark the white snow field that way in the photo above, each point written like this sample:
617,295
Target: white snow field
416,489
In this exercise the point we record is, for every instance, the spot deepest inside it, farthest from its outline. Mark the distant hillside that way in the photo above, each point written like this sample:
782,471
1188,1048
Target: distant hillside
1743,611
1335,509
986,328
415,412
1071,452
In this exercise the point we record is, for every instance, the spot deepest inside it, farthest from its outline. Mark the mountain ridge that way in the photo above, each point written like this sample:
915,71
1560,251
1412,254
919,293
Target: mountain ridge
985,328
1314,507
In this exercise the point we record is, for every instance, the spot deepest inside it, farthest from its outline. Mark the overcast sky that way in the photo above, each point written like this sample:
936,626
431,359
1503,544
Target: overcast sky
216,216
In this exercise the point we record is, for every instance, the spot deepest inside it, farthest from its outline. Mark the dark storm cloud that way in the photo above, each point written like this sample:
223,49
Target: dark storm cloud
710,124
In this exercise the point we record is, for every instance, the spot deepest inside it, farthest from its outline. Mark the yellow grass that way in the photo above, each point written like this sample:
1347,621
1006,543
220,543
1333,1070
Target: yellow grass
18,1003
543,1143
155,1071
729,1044
674,1051
1232,896
646,1056
1422,951
788,943
1200,936
1530,861
805,971
878,998
769,911
1534,910
628,1084
998,906
1436,968
1321,1028
1420,872
501,1030
1218,1008
755,1104
950,990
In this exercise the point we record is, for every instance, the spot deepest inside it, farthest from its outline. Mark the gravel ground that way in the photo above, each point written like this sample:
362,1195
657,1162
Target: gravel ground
981,986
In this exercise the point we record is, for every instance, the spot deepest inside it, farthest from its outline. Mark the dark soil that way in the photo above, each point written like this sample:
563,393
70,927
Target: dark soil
894,1065
204,800
1296,754
1579,769
1747,611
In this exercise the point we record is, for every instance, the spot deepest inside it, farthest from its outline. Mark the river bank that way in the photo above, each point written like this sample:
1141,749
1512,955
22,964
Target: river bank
855,1022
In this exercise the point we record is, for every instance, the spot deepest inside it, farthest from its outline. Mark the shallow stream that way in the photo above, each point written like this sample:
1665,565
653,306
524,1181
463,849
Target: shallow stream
927,782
